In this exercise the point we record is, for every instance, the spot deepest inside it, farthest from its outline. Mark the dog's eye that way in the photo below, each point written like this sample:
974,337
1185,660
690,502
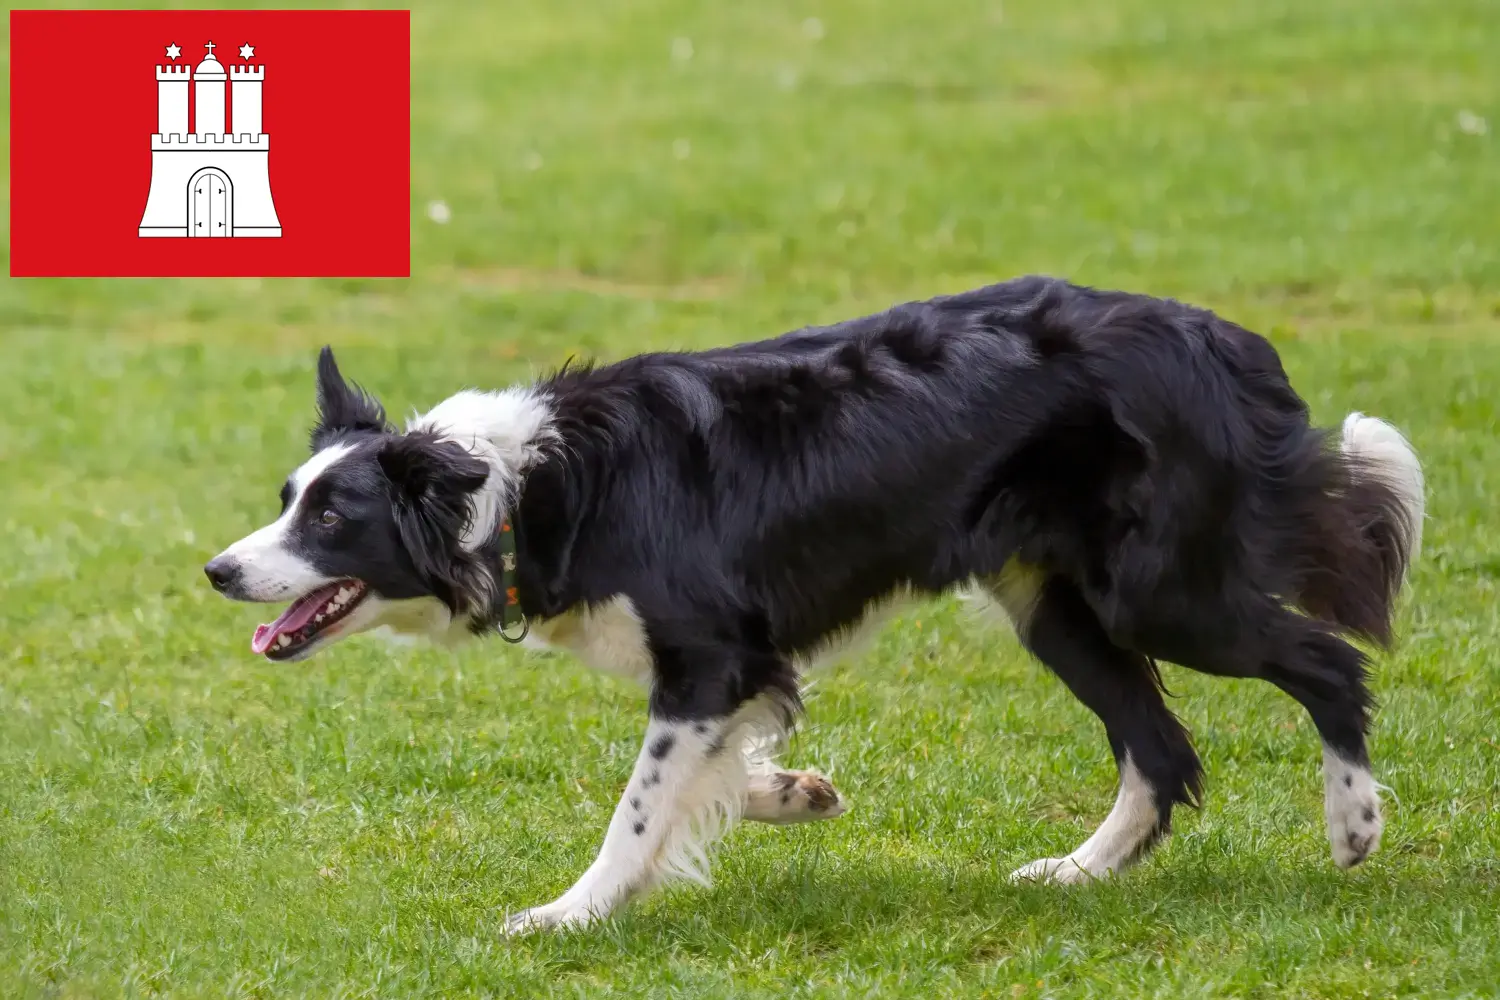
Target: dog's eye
329,518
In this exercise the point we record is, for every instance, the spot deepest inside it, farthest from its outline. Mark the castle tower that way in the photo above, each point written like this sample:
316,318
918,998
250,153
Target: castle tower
172,99
210,182
245,83
208,97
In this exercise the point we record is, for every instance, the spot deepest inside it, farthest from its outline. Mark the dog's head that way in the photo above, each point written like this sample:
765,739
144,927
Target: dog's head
377,529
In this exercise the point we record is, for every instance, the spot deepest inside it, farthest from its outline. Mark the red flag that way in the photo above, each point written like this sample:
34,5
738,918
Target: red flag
283,137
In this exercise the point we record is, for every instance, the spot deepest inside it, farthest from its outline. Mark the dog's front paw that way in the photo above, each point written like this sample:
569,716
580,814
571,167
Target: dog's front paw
557,915
1058,871
792,797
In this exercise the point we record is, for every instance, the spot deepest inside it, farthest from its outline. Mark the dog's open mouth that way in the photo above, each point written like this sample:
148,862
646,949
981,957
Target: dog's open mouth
309,617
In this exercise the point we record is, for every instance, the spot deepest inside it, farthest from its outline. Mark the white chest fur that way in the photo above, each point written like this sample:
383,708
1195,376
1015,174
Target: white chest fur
607,636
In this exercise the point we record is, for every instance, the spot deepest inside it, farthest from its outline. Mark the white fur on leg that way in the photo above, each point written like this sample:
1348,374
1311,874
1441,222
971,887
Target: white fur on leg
686,791
667,777
1352,805
1124,835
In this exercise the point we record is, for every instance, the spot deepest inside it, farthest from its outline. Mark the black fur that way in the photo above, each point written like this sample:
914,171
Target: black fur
1149,461
431,483
1123,688
343,409
662,746
1150,458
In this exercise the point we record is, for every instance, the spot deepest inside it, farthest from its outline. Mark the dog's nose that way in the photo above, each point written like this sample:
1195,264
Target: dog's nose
221,571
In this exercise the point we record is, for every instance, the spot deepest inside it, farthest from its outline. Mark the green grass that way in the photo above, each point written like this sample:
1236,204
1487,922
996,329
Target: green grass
178,817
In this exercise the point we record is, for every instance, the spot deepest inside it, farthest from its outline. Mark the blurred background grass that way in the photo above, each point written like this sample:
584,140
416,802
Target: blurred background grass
177,817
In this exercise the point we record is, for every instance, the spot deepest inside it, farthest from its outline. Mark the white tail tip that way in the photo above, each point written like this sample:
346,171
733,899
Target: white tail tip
1390,456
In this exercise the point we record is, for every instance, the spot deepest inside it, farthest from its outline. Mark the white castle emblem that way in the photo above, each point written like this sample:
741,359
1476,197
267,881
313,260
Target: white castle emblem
210,182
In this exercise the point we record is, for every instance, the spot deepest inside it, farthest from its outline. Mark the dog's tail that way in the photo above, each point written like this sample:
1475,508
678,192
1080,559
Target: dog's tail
1372,530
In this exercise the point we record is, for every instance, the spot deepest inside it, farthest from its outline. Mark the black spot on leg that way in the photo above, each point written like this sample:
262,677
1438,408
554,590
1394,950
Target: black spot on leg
652,780
1369,815
640,827
700,728
662,746
1348,781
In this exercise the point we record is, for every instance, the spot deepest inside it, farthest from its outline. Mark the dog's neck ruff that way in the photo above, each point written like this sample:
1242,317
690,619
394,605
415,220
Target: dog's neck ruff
511,431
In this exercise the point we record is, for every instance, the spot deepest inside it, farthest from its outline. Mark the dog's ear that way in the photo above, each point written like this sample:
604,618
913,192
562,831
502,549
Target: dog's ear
342,407
431,486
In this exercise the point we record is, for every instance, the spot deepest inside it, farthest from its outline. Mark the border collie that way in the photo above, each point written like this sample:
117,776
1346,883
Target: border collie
1131,479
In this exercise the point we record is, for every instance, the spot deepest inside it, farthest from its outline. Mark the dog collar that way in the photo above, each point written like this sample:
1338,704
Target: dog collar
511,614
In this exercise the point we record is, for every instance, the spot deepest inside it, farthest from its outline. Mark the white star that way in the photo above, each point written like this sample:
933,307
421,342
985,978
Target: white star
247,51
174,50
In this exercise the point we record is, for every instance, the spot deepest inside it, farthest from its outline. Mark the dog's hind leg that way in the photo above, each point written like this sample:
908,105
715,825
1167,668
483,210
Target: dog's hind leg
1158,767
1327,675
1309,661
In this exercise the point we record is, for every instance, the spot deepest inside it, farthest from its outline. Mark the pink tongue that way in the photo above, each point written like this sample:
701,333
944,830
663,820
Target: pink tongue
293,618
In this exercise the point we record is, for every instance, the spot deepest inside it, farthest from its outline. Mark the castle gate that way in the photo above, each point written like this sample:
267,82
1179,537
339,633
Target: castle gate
210,203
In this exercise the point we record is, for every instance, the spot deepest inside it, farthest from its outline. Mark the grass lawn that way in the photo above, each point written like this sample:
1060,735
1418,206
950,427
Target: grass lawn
181,818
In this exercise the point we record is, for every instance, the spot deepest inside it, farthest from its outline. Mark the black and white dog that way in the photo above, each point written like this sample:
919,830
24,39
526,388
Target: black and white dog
1130,478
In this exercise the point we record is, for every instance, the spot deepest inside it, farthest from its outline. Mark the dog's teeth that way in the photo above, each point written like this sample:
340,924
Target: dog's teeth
282,640
320,618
